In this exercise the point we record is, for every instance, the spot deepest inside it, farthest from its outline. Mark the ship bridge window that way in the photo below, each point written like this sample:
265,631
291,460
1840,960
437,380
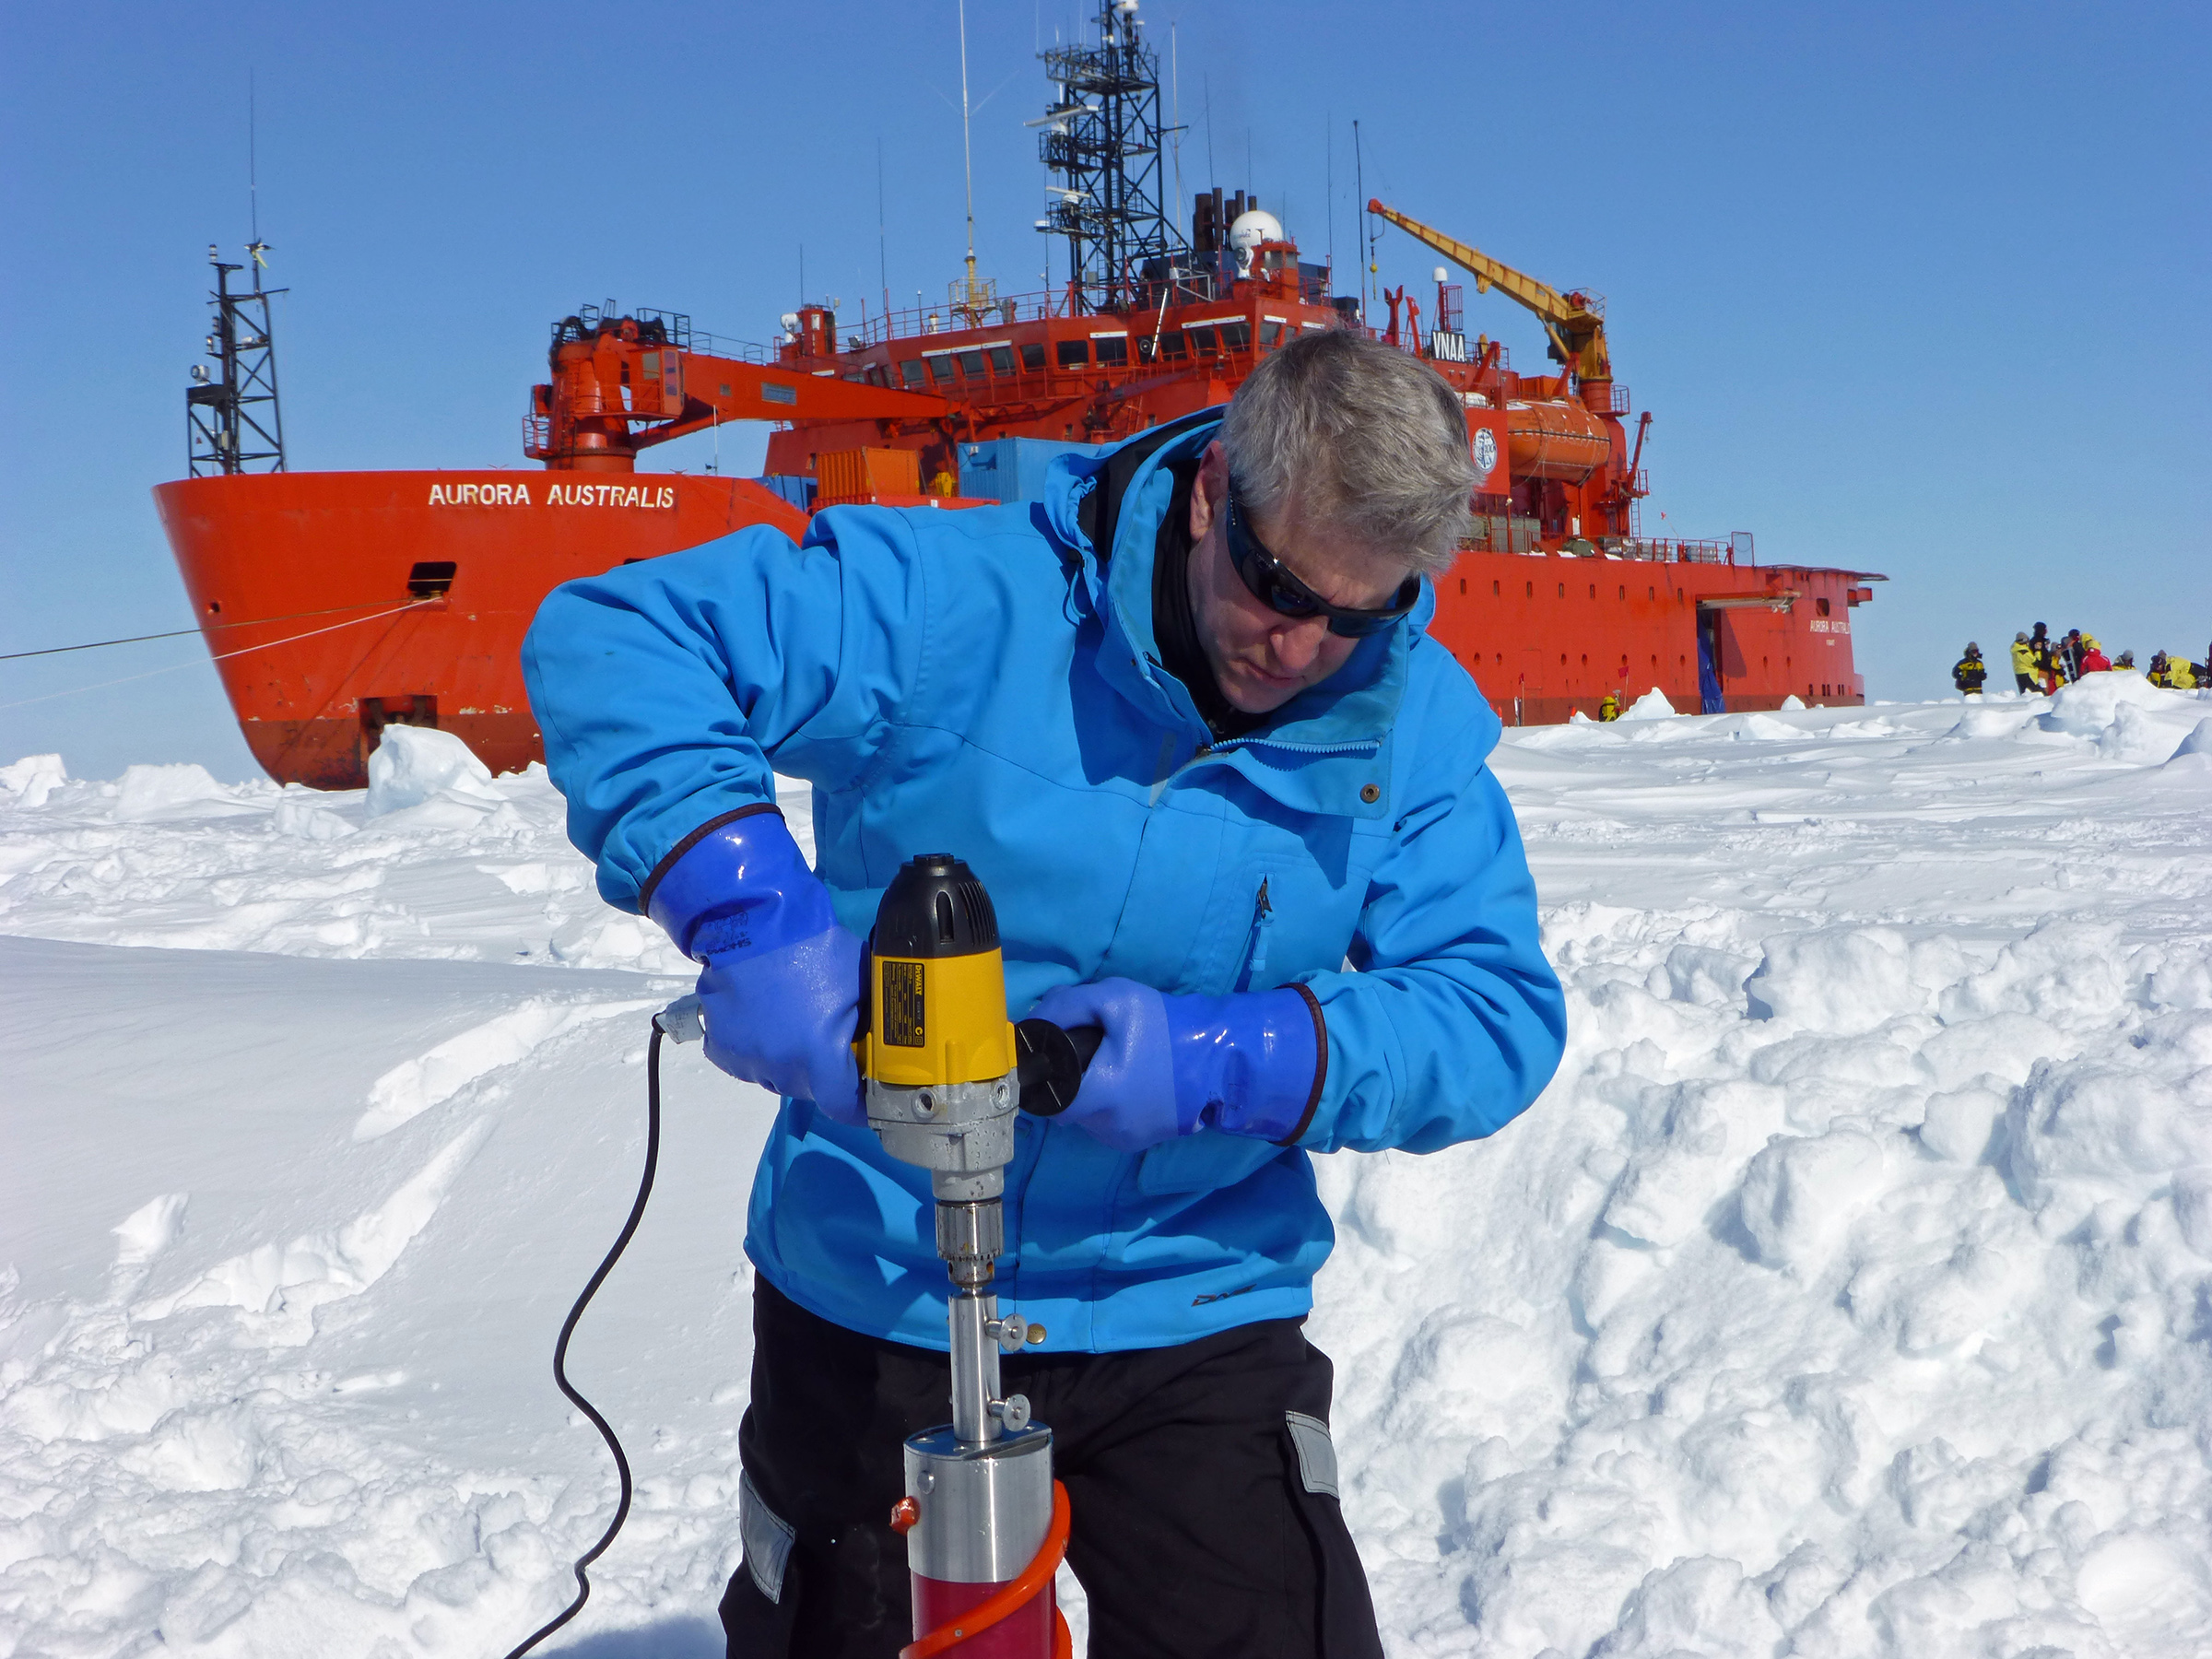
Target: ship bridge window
1201,337
1270,334
1032,355
1002,360
940,366
1236,335
1112,348
912,371
1171,344
1074,354
971,364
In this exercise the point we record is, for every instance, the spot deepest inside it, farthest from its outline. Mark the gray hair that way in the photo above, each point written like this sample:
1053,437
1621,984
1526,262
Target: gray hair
1360,436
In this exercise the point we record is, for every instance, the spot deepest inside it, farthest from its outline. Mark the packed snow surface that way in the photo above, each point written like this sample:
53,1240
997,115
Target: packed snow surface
1849,1292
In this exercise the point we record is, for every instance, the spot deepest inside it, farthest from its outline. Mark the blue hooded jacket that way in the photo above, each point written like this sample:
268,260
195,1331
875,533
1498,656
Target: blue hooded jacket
983,682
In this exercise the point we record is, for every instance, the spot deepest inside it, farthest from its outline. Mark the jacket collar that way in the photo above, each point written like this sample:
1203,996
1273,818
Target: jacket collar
1325,745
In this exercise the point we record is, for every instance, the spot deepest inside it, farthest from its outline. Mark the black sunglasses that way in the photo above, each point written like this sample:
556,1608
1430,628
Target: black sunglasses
1272,583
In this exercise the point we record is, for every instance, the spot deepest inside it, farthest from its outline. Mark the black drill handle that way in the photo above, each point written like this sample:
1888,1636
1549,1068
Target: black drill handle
1051,1061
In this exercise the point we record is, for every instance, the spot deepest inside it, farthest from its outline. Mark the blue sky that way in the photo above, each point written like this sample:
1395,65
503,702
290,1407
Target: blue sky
1915,288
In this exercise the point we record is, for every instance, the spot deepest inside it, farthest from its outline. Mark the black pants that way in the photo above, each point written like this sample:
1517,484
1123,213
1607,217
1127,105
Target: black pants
2026,682
1191,1472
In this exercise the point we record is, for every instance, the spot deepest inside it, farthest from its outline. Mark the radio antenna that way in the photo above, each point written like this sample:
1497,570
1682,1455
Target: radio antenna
1359,189
967,153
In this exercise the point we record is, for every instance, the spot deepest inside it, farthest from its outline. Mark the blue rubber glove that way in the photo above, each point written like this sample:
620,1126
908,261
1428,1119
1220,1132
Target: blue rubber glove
780,991
1245,1064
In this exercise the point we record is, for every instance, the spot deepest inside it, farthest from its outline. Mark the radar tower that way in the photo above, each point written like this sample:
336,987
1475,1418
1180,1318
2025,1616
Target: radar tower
1103,136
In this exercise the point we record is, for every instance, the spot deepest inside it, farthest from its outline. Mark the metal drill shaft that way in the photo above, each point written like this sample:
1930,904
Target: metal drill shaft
963,1135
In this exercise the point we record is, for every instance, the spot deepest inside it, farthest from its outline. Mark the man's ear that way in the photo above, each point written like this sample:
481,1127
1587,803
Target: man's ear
1209,490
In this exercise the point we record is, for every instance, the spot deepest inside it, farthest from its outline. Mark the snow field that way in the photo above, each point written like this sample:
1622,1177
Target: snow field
1849,1292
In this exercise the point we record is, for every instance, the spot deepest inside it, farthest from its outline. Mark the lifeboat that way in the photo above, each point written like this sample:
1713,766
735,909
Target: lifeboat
1556,439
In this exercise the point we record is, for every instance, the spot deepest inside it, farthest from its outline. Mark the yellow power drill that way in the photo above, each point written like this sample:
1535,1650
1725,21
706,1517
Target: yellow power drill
944,1072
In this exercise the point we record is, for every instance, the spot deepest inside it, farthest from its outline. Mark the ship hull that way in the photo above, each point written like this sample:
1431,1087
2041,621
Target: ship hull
314,593
310,590
1548,636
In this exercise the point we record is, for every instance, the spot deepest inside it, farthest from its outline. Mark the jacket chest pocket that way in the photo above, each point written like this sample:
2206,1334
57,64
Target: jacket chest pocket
1270,919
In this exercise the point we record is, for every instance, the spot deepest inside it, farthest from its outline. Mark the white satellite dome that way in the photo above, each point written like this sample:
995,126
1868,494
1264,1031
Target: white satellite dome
1251,228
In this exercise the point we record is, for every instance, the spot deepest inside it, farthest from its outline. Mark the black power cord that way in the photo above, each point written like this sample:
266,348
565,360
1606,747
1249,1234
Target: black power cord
1052,1063
560,1348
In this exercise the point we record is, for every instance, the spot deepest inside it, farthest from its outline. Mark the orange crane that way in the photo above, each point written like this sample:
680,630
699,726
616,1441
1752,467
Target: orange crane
630,374
1574,321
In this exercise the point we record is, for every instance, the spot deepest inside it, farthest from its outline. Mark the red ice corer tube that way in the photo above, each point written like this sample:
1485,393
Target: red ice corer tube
986,1526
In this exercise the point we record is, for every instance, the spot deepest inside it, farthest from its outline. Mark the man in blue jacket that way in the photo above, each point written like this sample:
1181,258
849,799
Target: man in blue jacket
1231,803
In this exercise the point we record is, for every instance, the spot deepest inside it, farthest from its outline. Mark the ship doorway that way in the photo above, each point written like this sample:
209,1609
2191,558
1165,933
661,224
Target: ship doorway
1711,698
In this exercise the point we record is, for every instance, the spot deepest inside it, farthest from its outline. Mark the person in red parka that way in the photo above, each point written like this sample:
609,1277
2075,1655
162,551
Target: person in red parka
2093,660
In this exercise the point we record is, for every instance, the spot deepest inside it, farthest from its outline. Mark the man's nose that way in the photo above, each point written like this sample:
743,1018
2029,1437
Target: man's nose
1296,644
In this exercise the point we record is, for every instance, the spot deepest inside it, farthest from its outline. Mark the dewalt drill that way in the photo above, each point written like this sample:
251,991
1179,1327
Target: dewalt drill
945,1071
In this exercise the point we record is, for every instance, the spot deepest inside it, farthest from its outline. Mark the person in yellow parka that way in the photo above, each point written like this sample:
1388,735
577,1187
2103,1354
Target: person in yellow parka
1611,708
2023,662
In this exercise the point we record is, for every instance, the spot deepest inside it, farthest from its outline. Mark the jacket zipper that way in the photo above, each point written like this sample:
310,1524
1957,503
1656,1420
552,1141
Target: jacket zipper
1255,957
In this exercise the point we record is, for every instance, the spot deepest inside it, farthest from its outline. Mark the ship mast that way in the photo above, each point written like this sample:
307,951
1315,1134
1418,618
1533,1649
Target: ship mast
232,420
1102,134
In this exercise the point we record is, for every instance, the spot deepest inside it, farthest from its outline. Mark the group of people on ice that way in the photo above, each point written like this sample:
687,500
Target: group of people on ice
2041,664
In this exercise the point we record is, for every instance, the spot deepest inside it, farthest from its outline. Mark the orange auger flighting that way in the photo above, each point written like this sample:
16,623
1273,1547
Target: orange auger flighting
1561,598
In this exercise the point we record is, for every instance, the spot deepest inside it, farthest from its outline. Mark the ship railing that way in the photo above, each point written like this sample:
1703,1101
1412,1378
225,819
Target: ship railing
988,389
1673,550
1501,533
1177,288
986,374
1002,309
1140,293
1511,533
730,348
674,327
